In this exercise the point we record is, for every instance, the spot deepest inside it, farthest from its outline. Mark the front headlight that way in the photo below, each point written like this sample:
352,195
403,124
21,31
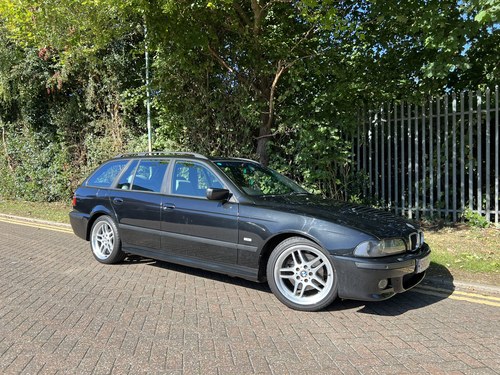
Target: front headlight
380,248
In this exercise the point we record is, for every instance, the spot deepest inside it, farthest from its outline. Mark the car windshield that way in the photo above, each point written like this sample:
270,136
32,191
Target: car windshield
255,179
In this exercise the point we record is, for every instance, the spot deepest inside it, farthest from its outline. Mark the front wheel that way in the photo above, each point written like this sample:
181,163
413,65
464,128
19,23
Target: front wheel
105,241
301,275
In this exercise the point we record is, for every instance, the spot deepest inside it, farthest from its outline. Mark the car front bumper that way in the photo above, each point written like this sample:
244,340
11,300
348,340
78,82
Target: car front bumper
363,278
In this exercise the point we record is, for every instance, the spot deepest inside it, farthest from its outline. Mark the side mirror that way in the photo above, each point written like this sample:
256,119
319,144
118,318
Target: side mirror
215,194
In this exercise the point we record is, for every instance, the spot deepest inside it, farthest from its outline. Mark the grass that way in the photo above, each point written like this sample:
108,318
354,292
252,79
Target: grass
470,254
55,211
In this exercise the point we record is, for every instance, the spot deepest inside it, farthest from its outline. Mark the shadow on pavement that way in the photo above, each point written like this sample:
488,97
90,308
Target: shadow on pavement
210,275
439,276
436,286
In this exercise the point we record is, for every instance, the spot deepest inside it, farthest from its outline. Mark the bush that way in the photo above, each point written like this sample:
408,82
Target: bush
36,168
475,219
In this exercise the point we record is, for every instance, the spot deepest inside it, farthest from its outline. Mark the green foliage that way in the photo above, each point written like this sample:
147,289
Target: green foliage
36,169
475,219
59,121
274,80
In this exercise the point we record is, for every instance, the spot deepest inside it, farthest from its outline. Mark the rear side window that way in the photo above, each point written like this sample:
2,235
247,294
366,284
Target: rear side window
106,174
149,175
125,181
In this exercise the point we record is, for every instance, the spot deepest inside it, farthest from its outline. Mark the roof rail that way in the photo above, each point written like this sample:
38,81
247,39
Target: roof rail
161,153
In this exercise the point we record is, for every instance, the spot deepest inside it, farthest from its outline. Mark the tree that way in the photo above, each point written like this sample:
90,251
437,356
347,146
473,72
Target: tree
273,79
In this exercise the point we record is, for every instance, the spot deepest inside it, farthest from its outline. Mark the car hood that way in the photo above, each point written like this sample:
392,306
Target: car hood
378,223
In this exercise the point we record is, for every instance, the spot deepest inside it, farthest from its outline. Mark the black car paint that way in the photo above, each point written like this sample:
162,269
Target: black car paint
236,236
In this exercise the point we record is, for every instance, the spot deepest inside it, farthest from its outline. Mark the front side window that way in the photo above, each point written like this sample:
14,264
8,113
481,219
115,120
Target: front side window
254,179
106,174
193,179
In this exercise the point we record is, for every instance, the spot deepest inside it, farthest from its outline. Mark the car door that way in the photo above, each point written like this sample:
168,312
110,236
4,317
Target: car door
137,202
193,226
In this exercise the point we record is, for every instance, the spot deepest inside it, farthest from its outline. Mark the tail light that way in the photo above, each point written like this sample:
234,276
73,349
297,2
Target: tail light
73,202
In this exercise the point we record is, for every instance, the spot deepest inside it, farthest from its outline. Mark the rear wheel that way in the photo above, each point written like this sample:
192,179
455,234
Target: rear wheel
105,241
301,275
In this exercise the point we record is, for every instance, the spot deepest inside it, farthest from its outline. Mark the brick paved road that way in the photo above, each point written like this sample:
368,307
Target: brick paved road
62,312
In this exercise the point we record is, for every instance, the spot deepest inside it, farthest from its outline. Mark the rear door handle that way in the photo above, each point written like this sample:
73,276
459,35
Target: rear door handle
168,206
117,201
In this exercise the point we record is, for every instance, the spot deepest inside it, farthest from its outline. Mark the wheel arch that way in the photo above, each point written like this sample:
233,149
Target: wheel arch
274,241
96,213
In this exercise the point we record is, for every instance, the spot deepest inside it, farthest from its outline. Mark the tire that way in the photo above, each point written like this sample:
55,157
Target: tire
105,241
301,275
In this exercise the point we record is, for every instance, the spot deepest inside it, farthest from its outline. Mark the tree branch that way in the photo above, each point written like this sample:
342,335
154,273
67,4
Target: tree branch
304,37
281,69
241,13
221,60
257,16
238,75
7,156
267,135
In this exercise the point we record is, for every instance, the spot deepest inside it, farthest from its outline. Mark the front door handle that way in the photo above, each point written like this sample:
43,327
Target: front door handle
117,201
168,206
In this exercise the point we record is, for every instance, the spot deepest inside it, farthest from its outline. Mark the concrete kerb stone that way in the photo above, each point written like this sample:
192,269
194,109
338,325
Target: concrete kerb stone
36,221
462,286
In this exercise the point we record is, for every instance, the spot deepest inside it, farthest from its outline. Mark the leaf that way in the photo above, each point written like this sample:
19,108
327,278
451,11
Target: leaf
482,16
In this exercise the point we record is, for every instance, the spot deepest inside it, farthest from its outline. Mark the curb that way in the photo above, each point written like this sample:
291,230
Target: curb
461,285
38,221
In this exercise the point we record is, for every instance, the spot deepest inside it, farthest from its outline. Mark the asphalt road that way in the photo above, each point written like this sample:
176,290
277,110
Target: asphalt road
63,312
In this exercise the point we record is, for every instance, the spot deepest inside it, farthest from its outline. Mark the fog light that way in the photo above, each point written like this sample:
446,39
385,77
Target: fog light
382,284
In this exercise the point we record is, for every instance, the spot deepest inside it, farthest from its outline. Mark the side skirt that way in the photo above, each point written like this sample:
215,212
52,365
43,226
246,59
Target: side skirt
227,269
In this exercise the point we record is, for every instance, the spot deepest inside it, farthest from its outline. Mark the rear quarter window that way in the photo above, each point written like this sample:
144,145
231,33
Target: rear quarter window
106,174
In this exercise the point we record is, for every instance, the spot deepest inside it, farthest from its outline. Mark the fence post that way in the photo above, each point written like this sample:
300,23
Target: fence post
396,161
488,162
479,154
497,152
446,159
438,165
462,153
454,153
431,158
471,153
424,161
417,213
403,201
389,154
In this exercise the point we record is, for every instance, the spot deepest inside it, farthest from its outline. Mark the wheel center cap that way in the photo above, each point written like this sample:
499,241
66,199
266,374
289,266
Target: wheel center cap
303,273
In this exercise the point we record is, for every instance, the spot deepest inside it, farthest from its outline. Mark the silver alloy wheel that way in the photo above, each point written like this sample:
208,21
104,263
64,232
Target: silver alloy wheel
103,240
304,275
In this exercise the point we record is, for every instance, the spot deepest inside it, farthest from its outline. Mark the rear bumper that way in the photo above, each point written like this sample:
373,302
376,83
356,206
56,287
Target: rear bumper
79,223
359,278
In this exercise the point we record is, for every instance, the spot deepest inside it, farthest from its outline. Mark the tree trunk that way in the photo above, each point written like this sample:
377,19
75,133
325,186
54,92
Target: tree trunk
263,139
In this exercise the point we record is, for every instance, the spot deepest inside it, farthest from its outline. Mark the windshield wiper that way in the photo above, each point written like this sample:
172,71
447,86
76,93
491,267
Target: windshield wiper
298,193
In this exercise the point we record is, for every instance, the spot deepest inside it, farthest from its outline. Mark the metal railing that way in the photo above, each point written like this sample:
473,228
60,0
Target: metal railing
438,158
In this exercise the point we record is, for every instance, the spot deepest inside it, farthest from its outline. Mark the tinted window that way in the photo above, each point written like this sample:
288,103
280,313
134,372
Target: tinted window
193,179
125,181
149,175
107,173
255,179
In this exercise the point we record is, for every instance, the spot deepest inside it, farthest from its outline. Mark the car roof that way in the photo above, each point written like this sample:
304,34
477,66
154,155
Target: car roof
233,159
161,154
187,154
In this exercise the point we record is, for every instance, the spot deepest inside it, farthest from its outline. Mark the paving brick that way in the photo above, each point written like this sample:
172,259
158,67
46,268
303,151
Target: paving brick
61,312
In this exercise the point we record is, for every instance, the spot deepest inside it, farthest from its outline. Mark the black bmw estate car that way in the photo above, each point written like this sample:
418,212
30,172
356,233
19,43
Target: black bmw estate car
237,217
